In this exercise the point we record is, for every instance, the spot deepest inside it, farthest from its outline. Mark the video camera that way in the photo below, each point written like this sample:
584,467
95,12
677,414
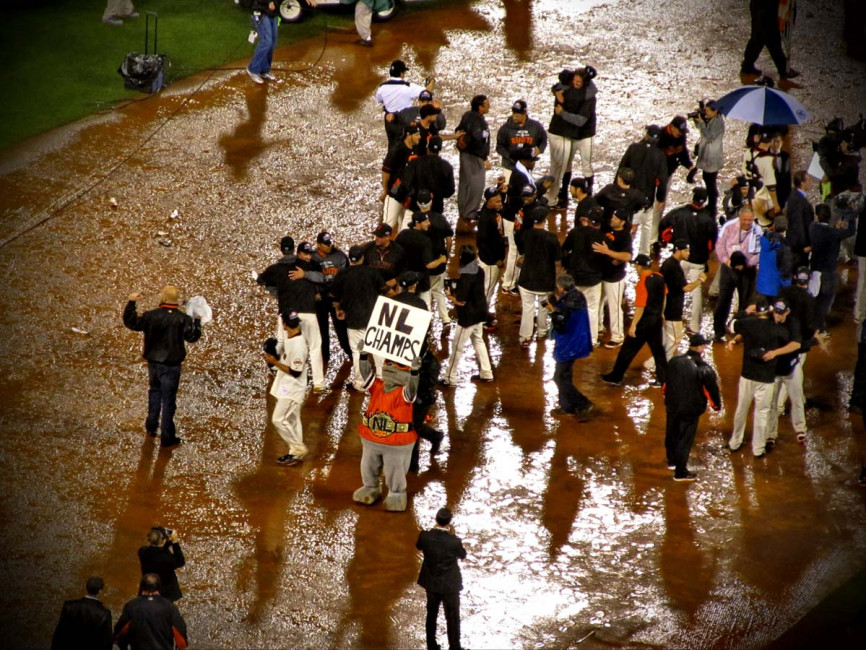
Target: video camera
700,113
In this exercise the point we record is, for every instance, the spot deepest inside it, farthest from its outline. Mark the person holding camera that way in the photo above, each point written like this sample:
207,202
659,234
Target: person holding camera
264,21
709,155
572,341
469,296
440,577
166,330
162,556
289,357
150,620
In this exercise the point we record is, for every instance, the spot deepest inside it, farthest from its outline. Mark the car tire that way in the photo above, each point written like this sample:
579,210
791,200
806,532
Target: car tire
291,11
386,14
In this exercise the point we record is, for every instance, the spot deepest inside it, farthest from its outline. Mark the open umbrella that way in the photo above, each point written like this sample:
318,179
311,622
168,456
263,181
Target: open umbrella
762,105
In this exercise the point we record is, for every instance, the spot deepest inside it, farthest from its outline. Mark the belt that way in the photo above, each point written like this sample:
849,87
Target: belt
387,426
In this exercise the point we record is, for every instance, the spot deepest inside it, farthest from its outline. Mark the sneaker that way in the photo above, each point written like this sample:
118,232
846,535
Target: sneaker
481,380
513,291
655,383
444,383
769,446
135,14
761,455
672,466
267,76
612,344
608,379
289,459
117,22
686,476
255,77
364,42
320,390
801,436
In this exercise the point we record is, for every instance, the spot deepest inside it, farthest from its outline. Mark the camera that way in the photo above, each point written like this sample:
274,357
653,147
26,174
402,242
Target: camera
168,532
700,113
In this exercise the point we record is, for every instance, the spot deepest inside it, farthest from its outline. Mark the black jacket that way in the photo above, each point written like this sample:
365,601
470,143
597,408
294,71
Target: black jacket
357,289
470,290
541,253
84,623
165,330
433,173
293,295
490,238
162,561
696,226
612,196
584,264
150,623
477,134
800,215
650,169
690,382
440,572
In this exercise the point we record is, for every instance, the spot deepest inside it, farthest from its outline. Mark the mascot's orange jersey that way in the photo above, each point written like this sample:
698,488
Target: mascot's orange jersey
388,419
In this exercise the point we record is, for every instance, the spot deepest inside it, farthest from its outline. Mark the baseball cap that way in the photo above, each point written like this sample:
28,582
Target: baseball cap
428,109
579,182
490,192
761,305
539,214
738,258
434,144
622,214
410,129
356,253
595,217
519,106
527,191
425,96
654,131
383,230
802,275
699,195
287,244
642,260
680,122
780,306
407,279
324,237
697,340
681,245
291,319
397,68
306,247
424,199
419,217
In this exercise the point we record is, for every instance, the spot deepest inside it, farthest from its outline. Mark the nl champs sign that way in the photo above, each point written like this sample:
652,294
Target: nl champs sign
396,330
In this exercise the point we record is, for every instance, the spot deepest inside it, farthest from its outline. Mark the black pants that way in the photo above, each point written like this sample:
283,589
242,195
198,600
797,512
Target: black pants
679,436
712,191
451,603
646,333
765,33
325,309
731,280
571,399
826,296
858,387
162,397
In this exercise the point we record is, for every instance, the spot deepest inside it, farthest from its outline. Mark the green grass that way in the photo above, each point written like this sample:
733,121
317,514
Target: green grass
60,60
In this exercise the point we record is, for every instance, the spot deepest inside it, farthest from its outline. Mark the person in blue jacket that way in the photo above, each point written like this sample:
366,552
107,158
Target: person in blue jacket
572,341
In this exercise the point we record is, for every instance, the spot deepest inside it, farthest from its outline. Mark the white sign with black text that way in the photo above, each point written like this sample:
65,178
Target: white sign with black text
396,331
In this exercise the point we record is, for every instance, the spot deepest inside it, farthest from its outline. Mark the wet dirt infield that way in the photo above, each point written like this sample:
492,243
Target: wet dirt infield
576,534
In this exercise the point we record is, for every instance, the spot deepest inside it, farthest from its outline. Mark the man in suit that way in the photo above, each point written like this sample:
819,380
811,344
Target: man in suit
440,577
85,622
800,215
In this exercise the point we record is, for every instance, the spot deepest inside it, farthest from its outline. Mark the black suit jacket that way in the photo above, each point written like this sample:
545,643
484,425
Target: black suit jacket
800,215
440,572
84,623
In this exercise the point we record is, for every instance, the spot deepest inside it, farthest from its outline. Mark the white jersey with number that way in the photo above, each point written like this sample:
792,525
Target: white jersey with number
292,352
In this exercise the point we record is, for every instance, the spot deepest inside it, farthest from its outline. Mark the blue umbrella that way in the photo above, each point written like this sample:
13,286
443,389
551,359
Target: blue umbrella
762,105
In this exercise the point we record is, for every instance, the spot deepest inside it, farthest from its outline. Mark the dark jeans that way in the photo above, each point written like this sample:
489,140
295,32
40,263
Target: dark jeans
162,396
451,603
712,191
324,309
743,282
571,399
826,296
649,334
765,32
679,436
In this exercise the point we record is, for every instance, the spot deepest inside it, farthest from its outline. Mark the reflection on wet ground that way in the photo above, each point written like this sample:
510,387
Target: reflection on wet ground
575,532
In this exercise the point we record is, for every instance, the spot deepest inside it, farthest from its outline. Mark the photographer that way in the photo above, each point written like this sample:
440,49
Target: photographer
709,157
839,157
573,341
468,294
162,557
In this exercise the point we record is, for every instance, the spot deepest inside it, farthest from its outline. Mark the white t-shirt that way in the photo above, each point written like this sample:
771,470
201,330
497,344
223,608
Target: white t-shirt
292,353
396,94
